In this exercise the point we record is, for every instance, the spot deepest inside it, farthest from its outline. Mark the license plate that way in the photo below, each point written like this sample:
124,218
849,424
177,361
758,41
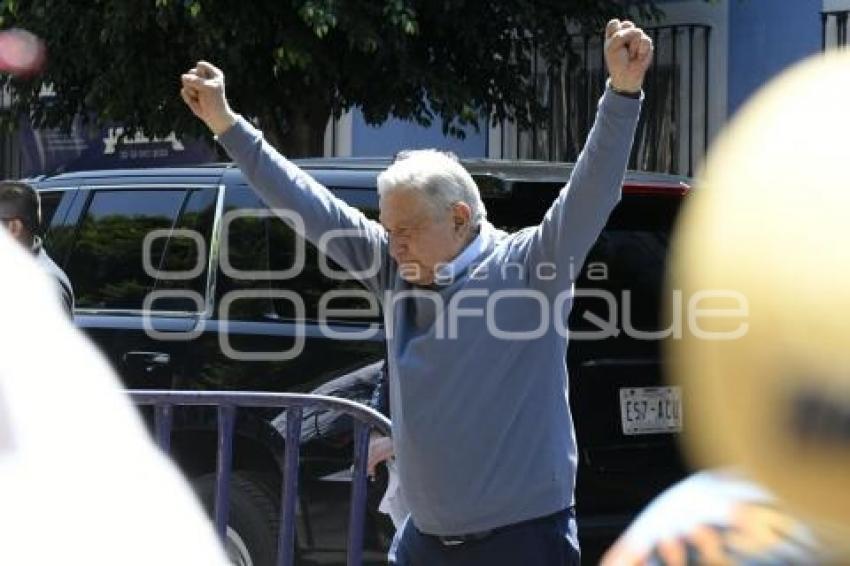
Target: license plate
651,410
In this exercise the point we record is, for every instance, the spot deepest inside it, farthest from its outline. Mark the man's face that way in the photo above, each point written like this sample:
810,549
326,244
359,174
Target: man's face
421,237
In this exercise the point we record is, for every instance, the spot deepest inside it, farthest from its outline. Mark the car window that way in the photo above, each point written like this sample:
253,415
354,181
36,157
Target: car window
183,255
524,205
365,200
56,231
626,264
244,248
260,242
49,203
106,265
626,267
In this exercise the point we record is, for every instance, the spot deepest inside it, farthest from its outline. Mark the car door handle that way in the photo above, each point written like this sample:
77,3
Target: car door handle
148,358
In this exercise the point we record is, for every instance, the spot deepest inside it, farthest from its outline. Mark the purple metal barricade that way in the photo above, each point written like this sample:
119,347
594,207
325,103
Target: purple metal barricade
227,404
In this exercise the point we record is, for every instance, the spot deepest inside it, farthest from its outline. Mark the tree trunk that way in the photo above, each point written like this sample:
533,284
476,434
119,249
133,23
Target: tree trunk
298,134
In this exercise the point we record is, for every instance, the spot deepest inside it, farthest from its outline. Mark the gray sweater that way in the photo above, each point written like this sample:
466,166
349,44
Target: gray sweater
478,380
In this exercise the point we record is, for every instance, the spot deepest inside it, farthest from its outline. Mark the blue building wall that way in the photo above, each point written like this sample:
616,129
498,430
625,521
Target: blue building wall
766,36
395,135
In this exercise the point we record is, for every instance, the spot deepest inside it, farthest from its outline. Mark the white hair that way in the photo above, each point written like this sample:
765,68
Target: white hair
438,176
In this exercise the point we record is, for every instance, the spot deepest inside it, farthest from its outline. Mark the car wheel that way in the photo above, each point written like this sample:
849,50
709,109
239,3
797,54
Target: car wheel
252,526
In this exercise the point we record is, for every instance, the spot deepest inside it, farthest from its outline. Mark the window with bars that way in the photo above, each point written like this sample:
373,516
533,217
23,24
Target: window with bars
834,29
11,161
673,130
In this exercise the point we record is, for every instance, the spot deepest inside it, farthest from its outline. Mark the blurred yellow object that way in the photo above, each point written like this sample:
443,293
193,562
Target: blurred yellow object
765,241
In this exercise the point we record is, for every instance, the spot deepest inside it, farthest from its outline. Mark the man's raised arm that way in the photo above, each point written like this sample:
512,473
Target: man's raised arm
281,184
573,222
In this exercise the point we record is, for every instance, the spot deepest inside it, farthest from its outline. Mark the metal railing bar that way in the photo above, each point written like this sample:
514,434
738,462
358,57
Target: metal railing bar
358,494
674,117
286,536
226,403
256,399
163,419
588,93
707,33
691,101
224,468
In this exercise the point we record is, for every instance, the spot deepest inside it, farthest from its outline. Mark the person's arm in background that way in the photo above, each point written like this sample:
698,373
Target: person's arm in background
282,185
380,447
577,216
381,396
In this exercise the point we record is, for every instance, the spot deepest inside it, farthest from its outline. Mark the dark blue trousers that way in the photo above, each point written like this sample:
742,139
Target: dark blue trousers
547,541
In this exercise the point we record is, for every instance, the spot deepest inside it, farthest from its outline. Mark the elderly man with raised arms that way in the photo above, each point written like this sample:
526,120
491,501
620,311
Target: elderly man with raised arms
482,430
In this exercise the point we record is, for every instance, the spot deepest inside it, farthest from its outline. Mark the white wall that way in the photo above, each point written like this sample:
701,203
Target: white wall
338,136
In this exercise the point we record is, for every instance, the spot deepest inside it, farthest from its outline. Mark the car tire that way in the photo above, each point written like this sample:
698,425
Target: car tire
252,526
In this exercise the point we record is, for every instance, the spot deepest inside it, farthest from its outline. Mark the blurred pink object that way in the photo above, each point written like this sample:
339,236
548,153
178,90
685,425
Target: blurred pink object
22,53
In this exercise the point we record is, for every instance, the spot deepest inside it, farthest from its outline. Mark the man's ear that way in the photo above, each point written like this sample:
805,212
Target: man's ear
15,228
461,215
18,230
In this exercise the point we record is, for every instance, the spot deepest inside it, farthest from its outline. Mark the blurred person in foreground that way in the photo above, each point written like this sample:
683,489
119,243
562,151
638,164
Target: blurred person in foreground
80,480
766,380
20,214
482,431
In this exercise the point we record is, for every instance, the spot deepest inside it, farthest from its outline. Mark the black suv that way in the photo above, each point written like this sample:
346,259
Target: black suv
168,268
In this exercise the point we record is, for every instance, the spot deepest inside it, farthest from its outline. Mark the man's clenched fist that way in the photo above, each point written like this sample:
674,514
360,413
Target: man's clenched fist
628,53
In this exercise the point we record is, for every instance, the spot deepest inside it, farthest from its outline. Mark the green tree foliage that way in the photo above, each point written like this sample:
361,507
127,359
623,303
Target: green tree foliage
292,63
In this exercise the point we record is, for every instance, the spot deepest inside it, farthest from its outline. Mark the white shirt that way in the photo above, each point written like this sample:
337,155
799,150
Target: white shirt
75,458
